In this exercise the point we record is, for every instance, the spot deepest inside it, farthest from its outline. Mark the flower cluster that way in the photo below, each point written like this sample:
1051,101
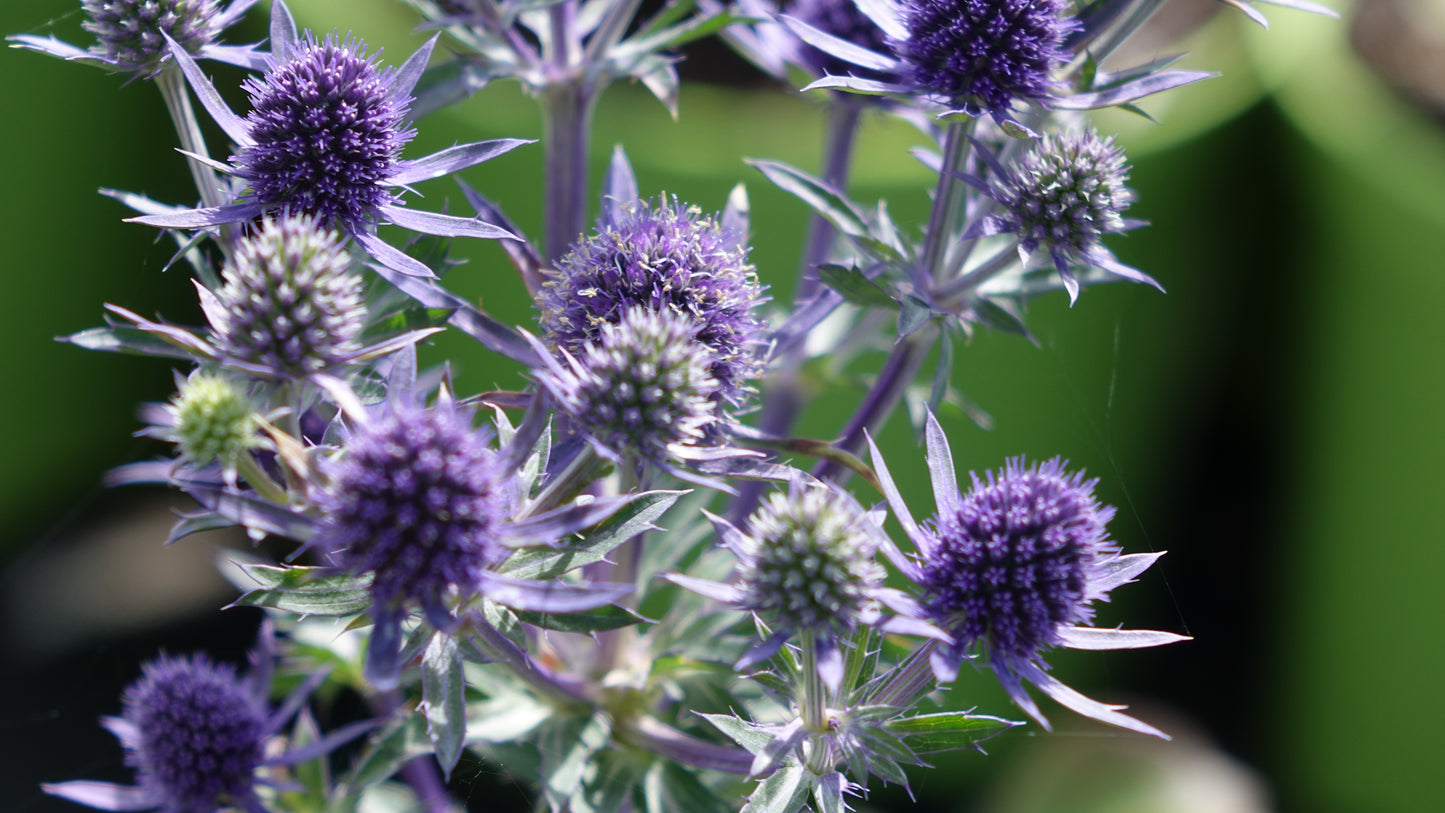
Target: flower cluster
576,570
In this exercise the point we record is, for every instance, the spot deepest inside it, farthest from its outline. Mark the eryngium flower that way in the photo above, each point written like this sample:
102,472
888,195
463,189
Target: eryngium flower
984,54
196,732
131,34
807,563
290,303
1066,192
325,139
663,256
213,420
641,389
417,502
1013,568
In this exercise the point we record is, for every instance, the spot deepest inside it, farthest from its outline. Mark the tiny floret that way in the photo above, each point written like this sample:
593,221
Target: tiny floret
1067,191
133,32
213,421
663,256
642,389
983,55
1015,560
327,133
808,565
417,502
198,730
290,303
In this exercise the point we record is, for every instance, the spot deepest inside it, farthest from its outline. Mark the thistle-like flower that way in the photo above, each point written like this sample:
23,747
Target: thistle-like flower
290,304
983,55
324,138
196,734
662,256
1012,569
1066,192
807,566
210,420
421,504
641,390
131,35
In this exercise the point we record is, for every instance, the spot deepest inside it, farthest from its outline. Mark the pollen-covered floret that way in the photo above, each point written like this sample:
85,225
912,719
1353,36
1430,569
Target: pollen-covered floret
290,303
1014,562
808,565
133,32
984,54
1067,191
327,133
197,732
643,388
663,256
417,501
214,420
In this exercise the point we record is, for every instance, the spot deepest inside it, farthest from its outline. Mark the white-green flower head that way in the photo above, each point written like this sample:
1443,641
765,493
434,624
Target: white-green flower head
809,564
642,390
291,303
213,421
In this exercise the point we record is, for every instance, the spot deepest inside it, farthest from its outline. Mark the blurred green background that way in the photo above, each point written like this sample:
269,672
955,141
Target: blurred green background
1273,422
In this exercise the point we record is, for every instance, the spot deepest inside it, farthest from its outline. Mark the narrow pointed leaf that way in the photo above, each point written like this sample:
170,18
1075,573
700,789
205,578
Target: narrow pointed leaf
443,701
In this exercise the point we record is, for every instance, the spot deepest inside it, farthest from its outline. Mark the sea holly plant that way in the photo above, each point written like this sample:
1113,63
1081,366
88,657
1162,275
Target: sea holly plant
614,581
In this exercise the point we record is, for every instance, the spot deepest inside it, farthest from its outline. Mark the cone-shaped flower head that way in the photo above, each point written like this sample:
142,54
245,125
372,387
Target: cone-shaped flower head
133,32
641,389
327,133
1013,568
196,732
807,563
1067,191
417,501
663,256
199,731
131,35
290,302
1014,561
213,420
982,55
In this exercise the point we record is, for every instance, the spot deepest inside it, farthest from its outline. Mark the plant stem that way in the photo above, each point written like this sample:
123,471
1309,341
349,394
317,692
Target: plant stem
567,119
815,705
248,468
172,85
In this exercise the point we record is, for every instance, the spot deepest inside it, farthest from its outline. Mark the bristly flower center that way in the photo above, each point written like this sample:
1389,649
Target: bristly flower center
200,733
327,134
130,31
1067,191
984,53
1012,564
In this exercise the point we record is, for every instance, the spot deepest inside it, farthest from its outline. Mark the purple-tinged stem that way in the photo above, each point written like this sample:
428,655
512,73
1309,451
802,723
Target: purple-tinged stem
567,121
898,372
172,85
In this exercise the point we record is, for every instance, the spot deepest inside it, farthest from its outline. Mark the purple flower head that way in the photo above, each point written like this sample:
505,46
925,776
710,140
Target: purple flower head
662,256
417,501
290,303
324,138
131,34
196,732
641,390
1066,192
982,55
326,133
1012,569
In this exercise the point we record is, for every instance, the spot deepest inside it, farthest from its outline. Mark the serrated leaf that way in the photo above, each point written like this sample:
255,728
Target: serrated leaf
405,320
610,617
819,195
914,314
947,730
443,704
505,621
630,520
785,791
852,285
739,731
566,751
128,340
307,591
1000,318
